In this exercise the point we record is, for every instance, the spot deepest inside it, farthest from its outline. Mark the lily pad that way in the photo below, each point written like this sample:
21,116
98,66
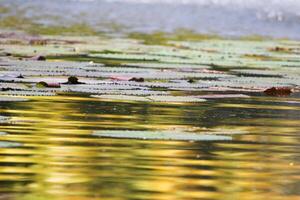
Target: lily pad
28,93
3,119
46,50
11,99
12,86
166,65
6,144
162,98
132,93
221,96
123,56
159,135
3,133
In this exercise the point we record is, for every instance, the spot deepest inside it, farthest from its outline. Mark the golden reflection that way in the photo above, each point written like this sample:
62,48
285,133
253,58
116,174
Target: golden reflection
254,106
61,160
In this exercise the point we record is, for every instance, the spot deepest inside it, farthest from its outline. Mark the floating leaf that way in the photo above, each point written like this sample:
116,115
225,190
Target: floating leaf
122,97
166,65
160,135
28,93
48,65
11,99
178,84
46,50
256,72
221,96
4,119
174,99
105,85
123,92
12,86
5,144
142,57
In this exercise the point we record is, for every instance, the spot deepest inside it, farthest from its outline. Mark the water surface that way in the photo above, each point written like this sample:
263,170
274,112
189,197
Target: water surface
60,159
231,18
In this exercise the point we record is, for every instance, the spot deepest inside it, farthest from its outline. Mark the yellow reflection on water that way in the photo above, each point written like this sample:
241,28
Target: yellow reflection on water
60,159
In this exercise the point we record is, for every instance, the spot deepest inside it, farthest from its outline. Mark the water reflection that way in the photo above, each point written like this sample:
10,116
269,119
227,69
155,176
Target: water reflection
60,159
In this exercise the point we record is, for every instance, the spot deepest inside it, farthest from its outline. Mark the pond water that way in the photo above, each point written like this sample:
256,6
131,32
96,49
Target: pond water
60,159
50,147
225,17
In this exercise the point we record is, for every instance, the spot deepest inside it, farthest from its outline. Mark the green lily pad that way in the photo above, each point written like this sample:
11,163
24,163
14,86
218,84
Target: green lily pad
159,135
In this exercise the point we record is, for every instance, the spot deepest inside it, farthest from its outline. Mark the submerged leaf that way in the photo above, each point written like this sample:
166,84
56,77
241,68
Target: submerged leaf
159,135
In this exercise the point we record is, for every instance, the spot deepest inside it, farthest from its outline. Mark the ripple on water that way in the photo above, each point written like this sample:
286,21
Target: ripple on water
60,154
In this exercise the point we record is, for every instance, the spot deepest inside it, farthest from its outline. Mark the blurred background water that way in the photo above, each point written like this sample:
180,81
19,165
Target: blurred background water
273,18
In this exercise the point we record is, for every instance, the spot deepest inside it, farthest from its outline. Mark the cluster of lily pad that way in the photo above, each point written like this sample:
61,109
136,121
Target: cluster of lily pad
114,69
127,69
